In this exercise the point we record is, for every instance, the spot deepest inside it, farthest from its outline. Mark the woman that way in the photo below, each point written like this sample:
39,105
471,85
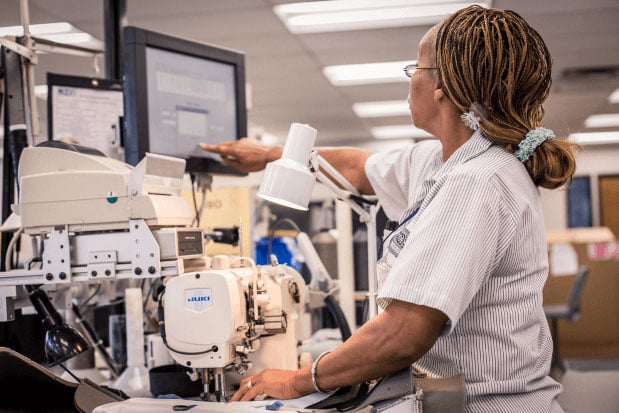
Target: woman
461,277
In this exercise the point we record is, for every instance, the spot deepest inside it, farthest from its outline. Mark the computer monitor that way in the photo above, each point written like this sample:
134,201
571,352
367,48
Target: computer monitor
178,94
85,111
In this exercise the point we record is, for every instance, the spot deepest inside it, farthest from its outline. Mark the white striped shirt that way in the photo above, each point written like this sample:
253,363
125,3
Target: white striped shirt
475,250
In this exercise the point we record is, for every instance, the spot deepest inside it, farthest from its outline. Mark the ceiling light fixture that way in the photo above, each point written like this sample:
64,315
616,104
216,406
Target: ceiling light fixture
381,108
38,29
399,132
366,73
605,120
595,138
69,38
60,32
341,15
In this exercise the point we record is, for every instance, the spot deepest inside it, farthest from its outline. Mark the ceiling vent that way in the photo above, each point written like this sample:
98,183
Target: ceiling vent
597,72
597,79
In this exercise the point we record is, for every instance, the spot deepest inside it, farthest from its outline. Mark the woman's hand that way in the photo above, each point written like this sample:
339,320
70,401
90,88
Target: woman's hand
244,155
278,384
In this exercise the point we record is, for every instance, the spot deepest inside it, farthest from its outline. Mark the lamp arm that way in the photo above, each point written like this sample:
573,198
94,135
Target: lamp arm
347,193
317,163
44,307
342,195
337,176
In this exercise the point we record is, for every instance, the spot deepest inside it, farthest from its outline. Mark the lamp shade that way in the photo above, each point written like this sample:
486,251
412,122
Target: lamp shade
62,341
288,181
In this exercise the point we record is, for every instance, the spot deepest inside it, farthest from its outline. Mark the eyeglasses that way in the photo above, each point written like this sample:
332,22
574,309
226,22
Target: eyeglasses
409,69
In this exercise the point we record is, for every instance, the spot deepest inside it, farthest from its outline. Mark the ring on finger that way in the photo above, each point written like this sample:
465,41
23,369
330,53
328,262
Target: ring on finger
249,385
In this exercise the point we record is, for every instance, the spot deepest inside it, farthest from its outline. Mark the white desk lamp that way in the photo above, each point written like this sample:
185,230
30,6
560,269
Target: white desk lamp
289,180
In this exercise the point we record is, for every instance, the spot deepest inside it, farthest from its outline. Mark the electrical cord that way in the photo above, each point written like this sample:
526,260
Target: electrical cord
203,183
87,300
365,310
8,259
77,379
95,340
148,294
274,227
196,219
338,316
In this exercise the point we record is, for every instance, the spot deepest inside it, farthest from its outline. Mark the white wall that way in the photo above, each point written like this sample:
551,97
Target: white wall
592,161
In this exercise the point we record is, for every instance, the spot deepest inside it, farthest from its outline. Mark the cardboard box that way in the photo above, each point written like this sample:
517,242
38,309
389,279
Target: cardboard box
596,333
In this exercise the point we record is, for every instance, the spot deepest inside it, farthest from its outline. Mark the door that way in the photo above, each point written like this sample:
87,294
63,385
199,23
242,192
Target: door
609,202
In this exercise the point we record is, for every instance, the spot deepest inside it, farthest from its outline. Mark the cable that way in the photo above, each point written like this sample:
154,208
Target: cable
338,316
148,293
85,302
77,379
196,219
203,182
11,247
95,340
272,231
365,310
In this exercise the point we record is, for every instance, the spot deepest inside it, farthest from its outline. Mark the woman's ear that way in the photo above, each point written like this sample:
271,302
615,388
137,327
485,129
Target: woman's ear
439,95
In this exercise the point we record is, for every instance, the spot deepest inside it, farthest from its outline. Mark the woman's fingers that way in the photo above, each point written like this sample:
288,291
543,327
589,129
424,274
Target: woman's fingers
247,389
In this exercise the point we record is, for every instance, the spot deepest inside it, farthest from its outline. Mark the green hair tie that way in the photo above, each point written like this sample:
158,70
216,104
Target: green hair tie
532,140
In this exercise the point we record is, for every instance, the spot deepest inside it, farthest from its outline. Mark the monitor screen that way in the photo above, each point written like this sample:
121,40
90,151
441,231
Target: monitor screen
85,111
178,94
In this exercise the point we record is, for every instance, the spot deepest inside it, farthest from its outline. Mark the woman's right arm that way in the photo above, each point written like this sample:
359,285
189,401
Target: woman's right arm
247,156
350,162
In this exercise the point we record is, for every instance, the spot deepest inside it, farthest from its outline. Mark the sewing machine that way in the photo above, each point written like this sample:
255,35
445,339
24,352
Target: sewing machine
92,219
234,318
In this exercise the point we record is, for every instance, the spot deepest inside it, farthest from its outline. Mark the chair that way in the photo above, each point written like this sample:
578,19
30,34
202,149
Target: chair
569,311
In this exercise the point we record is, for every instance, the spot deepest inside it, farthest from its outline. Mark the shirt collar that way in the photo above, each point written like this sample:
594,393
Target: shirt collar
476,145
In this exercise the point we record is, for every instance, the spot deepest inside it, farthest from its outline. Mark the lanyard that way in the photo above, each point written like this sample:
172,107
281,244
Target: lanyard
404,221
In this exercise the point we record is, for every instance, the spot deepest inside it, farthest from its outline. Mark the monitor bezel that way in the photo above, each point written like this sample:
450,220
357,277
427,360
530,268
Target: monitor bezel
82,82
135,43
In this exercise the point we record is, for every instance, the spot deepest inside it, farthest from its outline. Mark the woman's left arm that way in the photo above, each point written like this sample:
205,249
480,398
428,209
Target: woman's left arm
388,343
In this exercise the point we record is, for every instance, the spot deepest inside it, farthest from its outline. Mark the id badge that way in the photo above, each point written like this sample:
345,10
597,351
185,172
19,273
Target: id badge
397,241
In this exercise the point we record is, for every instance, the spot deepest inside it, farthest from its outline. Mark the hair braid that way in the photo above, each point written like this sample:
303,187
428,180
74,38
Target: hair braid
495,58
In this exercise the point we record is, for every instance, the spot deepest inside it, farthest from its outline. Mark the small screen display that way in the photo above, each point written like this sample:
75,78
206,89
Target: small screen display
190,101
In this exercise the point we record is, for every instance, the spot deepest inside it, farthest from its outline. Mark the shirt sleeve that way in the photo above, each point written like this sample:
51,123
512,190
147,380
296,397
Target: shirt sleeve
394,174
451,249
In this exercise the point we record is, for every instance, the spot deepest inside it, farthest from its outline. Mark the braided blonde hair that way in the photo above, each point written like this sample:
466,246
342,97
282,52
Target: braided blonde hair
493,57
